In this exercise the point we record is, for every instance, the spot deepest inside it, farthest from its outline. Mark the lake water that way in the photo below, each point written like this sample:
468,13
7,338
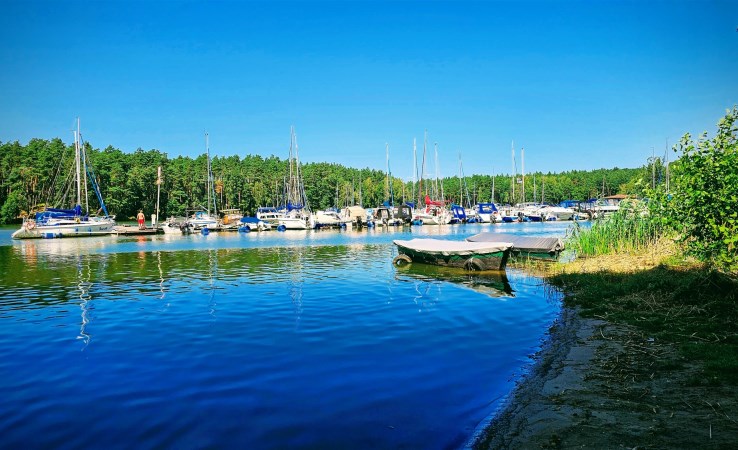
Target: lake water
260,340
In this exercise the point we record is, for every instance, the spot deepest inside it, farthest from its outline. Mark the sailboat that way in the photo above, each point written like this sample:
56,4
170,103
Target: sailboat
387,214
206,218
435,212
56,222
297,216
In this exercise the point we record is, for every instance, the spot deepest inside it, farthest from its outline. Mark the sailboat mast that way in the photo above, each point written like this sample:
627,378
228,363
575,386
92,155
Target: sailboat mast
158,191
300,189
543,188
207,153
461,187
387,180
512,181
415,167
522,169
493,184
77,163
422,168
439,190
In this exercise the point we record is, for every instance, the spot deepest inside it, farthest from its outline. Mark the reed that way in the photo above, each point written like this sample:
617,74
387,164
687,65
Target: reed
629,230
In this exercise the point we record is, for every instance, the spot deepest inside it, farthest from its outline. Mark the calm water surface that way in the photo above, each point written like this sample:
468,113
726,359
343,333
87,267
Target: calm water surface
271,340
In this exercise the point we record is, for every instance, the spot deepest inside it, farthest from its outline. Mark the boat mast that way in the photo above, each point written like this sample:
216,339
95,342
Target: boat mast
543,188
77,164
298,180
439,189
461,189
512,180
422,168
389,179
493,184
207,152
415,166
158,191
522,170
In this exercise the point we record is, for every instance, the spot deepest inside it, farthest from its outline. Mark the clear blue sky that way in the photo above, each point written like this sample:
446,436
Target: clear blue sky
580,85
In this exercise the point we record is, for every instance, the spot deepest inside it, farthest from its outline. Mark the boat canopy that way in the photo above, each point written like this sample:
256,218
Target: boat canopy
248,219
57,213
294,206
458,211
486,208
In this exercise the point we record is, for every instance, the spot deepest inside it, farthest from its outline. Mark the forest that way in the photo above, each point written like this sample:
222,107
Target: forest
39,173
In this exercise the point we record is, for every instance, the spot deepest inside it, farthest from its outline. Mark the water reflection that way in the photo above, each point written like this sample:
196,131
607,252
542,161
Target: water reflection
83,286
491,283
319,341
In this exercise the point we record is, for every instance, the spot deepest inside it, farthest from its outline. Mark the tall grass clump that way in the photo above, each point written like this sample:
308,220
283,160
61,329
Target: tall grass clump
631,229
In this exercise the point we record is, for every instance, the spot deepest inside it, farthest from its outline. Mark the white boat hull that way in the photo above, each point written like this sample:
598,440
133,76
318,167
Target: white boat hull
294,223
66,229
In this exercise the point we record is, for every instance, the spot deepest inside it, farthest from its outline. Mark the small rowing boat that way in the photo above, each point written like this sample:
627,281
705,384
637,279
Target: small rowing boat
472,256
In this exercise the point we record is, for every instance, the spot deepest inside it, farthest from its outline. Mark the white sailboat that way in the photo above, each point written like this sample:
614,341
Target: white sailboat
206,219
297,215
435,211
57,222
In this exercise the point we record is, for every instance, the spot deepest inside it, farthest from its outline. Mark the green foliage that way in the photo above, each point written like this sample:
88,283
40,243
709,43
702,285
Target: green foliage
39,172
703,208
631,229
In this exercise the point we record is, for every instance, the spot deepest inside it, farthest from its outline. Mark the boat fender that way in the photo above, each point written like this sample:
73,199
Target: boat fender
244,230
473,265
401,260
205,231
281,228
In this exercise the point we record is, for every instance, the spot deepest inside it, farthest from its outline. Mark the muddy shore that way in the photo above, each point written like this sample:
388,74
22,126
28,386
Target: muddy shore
595,384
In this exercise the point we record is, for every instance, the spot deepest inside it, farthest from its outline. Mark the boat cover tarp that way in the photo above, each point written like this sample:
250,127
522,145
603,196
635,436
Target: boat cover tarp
447,248
356,211
532,244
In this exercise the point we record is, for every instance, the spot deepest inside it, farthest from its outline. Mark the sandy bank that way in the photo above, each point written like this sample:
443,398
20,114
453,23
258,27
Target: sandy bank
598,385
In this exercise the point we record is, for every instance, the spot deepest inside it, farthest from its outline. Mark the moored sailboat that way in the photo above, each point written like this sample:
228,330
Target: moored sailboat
297,216
74,222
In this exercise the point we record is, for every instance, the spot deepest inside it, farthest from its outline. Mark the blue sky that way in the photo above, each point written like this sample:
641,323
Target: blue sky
580,85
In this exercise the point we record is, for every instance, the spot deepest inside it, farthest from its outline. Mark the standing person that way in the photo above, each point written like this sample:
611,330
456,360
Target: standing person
141,219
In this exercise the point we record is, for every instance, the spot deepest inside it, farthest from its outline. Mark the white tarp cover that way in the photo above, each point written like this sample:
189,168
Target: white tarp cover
447,248
524,243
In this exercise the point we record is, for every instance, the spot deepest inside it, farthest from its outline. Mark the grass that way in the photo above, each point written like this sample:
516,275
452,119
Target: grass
648,285
627,231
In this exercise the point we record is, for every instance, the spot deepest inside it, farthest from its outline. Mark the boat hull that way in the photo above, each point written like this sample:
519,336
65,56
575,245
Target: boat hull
72,229
466,255
294,223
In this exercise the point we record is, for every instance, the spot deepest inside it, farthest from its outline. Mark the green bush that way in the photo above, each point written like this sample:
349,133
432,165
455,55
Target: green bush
702,205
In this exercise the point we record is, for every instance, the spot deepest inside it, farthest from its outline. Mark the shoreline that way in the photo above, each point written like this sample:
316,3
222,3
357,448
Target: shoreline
525,418
599,384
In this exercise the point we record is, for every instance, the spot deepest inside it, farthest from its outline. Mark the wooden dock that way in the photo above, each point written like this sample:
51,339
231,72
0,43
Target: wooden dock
131,230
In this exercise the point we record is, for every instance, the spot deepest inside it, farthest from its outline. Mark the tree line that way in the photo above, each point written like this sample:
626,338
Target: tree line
40,172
